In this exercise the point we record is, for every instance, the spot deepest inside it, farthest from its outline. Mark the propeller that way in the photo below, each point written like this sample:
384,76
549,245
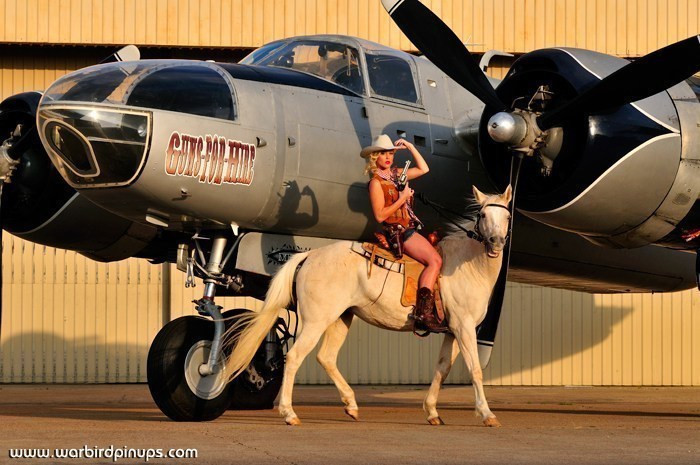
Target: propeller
539,128
10,152
644,77
486,331
21,154
128,53
441,46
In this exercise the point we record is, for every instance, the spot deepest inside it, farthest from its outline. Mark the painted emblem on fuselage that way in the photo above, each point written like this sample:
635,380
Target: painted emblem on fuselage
280,256
210,158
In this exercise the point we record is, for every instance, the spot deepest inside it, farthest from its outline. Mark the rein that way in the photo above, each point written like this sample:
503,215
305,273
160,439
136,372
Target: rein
475,234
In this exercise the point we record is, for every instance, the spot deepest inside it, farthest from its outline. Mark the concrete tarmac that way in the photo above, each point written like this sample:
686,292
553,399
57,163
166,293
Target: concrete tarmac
540,426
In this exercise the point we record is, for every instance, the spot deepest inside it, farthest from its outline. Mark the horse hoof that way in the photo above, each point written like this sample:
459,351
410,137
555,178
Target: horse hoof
294,421
437,421
492,422
353,413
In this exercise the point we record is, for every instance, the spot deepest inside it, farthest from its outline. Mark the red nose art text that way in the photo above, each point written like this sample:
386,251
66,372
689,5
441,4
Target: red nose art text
210,158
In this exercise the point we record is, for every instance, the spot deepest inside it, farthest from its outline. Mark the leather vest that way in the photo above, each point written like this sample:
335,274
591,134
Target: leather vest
391,195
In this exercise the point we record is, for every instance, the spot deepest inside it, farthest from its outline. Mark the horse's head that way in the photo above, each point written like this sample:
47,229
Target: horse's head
493,220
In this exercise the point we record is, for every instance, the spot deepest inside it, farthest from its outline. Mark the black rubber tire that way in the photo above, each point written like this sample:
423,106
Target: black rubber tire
166,374
245,395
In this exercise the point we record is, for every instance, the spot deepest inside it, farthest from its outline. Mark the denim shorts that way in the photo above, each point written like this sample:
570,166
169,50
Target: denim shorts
408,233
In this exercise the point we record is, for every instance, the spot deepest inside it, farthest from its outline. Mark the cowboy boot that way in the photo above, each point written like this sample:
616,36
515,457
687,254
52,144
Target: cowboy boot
423,312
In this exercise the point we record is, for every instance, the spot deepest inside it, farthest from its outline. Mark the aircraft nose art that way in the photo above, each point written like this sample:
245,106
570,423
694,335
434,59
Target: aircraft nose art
97,123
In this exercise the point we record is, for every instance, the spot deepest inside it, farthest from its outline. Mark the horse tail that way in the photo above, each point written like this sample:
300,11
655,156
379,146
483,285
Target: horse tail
248,331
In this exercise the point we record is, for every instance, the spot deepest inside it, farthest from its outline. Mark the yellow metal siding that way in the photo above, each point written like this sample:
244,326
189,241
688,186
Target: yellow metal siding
69,319
626,28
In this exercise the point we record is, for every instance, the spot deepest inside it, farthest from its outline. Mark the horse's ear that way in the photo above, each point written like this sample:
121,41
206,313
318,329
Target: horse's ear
508,194
478,195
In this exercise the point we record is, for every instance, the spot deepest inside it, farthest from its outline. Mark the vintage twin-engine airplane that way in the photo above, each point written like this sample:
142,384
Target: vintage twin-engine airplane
227,169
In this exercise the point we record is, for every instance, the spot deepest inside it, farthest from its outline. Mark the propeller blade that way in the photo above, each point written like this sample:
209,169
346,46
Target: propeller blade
486,331
128,53
644,77
441,46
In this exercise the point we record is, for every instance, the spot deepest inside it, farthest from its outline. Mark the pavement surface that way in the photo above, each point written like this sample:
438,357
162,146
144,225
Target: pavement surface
540,426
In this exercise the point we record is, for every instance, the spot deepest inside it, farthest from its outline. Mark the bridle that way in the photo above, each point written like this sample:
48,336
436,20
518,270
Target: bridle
477,232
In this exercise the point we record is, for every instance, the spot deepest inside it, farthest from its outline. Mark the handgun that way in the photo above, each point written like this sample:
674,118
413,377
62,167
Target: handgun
402,177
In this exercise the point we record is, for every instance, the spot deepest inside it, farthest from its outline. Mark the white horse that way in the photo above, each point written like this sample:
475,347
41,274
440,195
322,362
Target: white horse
332,286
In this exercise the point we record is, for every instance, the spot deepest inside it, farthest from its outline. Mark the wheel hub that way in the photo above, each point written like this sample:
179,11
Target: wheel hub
205,387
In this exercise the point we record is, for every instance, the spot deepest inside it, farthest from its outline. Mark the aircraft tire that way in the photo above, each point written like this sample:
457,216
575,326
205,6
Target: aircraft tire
174,385
246,394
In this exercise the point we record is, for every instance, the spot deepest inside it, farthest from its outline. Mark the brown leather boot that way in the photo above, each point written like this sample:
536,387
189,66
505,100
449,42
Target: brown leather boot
424,314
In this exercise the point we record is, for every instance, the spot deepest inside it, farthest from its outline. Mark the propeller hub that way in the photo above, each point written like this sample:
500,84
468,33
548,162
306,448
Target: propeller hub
507,128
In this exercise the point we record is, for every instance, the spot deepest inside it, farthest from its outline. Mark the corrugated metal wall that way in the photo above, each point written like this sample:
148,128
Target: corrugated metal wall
69,319
622,27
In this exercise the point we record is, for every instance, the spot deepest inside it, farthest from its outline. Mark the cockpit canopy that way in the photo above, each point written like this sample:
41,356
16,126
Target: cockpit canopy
194,87
363,67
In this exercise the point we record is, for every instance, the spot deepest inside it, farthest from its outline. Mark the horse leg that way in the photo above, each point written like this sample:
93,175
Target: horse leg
308,339
466,338
448,354
328,356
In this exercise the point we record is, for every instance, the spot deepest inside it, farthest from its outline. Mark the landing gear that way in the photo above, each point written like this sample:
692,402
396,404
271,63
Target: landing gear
183,394
186,374
177,387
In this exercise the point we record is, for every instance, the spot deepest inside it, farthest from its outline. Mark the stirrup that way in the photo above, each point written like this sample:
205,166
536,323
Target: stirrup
415,329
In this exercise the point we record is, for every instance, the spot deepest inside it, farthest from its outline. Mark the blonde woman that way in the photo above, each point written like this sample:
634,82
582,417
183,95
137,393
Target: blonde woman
392,208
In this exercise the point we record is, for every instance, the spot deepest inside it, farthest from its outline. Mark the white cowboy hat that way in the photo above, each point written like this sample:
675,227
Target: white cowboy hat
381,143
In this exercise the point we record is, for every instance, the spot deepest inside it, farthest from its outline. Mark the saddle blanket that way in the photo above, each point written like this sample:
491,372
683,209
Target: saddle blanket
408,267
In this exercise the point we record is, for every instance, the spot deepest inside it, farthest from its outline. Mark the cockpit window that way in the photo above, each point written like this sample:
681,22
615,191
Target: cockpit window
338,63
260,53
391,76
197,88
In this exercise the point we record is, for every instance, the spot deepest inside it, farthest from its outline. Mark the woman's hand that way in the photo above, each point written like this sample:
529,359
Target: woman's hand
403,143
406,194
421,166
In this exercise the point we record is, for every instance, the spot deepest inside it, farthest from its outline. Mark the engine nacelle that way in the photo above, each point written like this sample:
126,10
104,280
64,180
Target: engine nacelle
39,206
625,178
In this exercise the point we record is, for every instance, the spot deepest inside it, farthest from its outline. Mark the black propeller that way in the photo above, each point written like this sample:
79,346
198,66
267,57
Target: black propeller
441,46
128,53
524,130
644,77
18,134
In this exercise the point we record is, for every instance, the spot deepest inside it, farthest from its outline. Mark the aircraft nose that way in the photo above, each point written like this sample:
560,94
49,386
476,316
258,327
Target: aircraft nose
95,146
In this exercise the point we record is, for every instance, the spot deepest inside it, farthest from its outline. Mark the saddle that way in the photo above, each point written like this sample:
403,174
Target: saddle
408,267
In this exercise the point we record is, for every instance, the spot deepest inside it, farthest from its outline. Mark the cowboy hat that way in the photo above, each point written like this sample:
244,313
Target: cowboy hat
381,143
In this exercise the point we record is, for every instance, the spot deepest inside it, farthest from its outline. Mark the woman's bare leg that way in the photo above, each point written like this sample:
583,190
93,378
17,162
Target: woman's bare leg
418,248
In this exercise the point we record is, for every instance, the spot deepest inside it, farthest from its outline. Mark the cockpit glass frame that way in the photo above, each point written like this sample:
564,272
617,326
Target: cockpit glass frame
338,62
393,77
118,84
